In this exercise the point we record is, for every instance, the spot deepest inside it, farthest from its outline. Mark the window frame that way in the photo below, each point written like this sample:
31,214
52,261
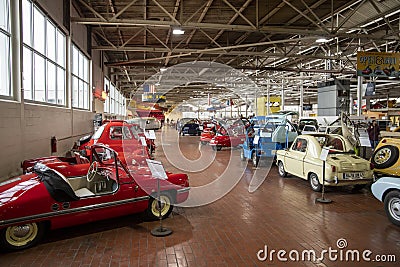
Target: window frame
79,64
29,48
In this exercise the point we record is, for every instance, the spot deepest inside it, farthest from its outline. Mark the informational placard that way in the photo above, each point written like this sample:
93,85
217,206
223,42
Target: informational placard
324,153
143,141
265,134
256,139
152,135
364,141
157,169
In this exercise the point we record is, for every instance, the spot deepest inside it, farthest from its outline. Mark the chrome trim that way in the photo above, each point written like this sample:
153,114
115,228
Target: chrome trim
10,181
74,210
183,190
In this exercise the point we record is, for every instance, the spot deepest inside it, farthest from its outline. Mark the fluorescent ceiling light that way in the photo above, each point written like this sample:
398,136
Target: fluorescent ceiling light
321,40
178,31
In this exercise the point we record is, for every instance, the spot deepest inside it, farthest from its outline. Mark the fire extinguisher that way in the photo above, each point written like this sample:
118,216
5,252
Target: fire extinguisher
53,143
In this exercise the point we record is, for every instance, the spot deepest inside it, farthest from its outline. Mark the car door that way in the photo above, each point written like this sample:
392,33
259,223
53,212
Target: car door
119,195
294,160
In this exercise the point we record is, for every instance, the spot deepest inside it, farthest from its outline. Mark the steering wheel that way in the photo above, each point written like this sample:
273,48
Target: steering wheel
92,171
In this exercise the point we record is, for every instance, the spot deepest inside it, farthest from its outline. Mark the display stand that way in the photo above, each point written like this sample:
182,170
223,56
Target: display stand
323,157
144,145
158,172
152,135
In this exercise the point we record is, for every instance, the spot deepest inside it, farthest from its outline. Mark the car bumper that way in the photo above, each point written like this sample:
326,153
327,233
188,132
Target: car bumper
344,182
182,194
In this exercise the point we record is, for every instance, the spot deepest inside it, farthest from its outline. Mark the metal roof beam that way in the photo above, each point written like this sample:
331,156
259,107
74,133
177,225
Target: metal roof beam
226,27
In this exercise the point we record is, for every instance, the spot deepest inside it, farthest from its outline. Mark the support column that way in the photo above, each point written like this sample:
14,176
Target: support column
301,94
16,51
268,101
68,81
359,97
283,95
16,69
255,101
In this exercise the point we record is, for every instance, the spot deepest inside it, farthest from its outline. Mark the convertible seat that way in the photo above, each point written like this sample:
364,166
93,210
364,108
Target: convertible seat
83,192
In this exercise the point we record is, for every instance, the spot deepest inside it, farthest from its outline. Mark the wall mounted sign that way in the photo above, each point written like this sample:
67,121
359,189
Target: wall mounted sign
378,64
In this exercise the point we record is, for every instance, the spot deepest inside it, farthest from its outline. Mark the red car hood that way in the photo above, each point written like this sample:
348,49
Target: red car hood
13,189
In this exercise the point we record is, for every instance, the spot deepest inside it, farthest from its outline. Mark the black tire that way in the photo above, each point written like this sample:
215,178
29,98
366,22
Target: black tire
203,142
242,157
392,206
218,148
314,182
152,212
385,156
281,169
255,159
18,237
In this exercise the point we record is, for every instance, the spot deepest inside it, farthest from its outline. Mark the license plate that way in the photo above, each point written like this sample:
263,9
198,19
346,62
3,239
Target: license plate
186,128
353,175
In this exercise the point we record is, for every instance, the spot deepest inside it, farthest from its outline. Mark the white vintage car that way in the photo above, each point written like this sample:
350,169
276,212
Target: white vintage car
342,166
387,190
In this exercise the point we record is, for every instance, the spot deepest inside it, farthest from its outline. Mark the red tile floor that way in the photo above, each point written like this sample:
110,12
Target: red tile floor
281,214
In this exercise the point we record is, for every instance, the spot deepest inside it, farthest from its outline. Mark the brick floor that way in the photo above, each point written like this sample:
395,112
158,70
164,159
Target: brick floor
281,214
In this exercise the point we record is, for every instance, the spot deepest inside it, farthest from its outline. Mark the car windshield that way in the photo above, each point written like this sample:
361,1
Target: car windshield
331,142
308,122
191,122
104,156
269,127
120,132
309,128
136,130
99,132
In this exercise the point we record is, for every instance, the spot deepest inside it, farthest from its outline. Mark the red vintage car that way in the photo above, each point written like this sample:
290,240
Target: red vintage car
47,199
232,137
121,136
72,165
207,134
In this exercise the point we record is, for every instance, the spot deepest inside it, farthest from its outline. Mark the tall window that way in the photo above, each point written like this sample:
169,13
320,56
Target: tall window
43,57
80,79
115,102
5,87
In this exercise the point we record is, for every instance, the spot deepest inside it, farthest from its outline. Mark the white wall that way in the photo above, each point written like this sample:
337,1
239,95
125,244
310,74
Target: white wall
78,32
26,132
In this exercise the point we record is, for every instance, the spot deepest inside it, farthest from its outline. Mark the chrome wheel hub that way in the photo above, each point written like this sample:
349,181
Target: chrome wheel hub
394,208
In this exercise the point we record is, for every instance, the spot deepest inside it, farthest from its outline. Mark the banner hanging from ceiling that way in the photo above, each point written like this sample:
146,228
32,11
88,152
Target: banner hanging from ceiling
378,64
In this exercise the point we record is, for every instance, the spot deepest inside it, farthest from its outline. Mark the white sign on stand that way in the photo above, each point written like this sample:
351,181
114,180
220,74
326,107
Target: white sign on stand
256,139
364,141
152,135
157,169
324,153
143,141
